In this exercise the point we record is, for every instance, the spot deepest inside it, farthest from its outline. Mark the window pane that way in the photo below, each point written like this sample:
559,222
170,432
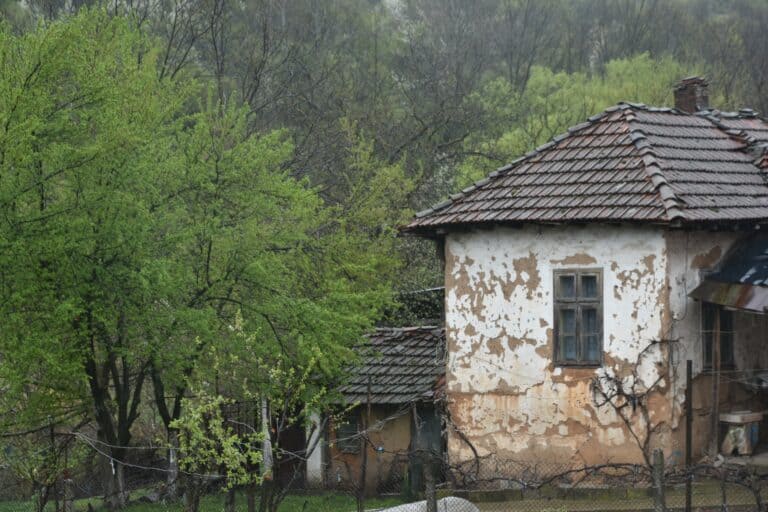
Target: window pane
726,337
708,312
726,349
708,316
589,320
589,286
567,321
726,320
569,347
591,348
578,324
346,436
566,286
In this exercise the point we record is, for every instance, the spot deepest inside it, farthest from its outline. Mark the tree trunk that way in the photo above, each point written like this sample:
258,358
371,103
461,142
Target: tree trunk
69,496
250,495
267,490
659,500
192,491
42,498
115,495
229,501
267,471
429,484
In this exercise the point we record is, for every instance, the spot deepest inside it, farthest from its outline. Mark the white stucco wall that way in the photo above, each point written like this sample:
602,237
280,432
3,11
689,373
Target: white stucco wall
507,397
505,394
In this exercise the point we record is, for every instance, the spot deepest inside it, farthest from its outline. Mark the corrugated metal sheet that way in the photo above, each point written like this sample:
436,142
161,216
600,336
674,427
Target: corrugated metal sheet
741,280
630,163
739,296
399,365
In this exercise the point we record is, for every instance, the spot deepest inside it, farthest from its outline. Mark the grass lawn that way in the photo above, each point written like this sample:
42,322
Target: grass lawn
706,496
331,502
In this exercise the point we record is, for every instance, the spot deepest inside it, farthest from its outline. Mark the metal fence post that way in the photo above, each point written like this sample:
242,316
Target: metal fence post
659,503
688,434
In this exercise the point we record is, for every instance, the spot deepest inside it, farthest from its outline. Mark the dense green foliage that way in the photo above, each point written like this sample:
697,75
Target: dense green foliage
143,220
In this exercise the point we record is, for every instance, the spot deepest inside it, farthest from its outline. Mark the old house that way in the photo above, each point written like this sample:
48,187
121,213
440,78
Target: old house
392,396
573,287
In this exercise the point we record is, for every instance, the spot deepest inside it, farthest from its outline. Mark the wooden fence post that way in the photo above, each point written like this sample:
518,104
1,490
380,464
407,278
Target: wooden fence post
659,503
69,495
430,492
714,420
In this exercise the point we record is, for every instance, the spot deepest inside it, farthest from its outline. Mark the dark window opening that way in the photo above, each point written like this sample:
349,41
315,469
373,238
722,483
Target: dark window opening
578,317
708,312
347,430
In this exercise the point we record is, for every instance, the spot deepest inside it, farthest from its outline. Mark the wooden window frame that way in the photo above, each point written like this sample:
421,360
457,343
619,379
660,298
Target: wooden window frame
577,302
707,335
347,442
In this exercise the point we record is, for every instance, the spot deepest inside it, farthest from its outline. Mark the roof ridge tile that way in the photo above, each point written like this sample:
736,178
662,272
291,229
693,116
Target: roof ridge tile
672,204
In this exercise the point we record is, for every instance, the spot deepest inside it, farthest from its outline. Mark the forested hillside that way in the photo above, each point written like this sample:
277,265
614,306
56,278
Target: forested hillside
201,197
435,93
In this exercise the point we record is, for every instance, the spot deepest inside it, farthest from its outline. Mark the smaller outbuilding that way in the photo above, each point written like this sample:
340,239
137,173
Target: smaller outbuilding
394,397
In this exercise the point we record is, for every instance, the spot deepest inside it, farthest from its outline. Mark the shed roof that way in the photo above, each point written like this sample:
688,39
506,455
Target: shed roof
628,163
401,365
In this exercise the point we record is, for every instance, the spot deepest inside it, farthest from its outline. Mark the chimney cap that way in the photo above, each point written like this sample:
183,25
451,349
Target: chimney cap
692,80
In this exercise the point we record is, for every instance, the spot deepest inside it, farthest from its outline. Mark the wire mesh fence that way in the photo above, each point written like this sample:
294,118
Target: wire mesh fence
420,483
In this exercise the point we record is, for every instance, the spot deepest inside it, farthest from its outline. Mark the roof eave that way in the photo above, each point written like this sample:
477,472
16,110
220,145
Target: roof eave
678,222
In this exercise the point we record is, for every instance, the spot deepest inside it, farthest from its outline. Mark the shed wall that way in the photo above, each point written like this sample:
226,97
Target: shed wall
390,431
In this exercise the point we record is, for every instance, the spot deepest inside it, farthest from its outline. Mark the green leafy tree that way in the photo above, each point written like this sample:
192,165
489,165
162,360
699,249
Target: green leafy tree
133,232
267,394
212,446
80,112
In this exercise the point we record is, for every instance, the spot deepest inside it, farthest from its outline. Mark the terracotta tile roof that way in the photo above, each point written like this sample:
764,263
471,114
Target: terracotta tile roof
402,365
629,163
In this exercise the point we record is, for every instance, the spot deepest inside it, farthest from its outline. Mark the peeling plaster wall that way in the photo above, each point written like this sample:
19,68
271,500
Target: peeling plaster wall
691,254
505,395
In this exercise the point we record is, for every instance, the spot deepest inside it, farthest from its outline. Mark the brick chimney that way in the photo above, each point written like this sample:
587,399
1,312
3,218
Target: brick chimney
691,94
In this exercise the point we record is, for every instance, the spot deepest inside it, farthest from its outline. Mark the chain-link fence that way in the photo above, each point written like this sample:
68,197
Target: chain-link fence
500,484
417,482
